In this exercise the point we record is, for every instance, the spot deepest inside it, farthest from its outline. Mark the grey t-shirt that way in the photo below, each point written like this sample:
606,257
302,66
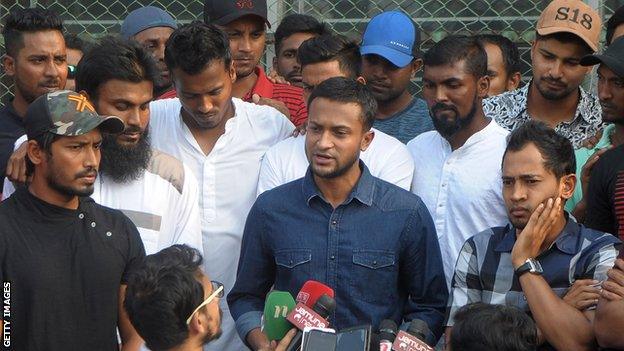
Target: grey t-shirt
407,124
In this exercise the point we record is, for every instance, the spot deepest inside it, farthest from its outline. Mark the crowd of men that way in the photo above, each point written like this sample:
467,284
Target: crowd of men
158,184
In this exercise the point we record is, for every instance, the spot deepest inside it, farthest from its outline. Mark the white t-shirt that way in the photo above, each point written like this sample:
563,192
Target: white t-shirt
386,158
228,179
162,203
462,189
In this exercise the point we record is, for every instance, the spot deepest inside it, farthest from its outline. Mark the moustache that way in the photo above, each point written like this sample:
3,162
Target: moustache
554,81
132,130
51,83
440,107
89,172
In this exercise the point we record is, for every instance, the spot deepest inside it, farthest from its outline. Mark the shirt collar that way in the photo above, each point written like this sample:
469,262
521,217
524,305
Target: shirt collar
567,241
582,107
363,190
263,86
8,105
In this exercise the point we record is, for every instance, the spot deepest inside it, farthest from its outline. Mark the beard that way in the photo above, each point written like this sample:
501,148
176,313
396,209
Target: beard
448,128
214,336
553,95
125,163
340,169
54,175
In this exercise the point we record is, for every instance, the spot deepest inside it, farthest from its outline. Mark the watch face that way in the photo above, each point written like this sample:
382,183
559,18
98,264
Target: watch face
536,267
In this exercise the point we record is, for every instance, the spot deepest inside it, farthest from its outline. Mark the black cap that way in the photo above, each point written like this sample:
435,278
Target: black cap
222,12
388,330
612,57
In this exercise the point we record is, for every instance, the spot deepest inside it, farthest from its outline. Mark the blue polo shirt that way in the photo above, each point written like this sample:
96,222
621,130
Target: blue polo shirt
378,251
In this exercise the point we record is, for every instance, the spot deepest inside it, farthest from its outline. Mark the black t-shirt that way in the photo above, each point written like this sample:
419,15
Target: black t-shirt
605,194
65,268
11,128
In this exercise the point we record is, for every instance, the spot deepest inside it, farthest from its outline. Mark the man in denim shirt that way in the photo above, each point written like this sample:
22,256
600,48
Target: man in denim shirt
372,242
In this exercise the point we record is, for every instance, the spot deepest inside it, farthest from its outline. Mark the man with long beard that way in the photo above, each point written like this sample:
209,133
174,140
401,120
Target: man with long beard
457,166
156,191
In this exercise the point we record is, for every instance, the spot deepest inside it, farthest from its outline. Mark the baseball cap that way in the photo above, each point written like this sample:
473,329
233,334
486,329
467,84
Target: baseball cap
67,113
612,57
144,18
222,12
391,35
571,16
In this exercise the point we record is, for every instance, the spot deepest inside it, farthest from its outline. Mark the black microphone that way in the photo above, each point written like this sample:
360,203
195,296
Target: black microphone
419,329
324,306
387,333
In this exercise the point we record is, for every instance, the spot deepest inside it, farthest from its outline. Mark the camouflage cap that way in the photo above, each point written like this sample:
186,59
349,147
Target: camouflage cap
67,113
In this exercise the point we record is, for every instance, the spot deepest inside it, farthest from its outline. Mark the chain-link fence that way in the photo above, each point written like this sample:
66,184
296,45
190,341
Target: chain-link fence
436,18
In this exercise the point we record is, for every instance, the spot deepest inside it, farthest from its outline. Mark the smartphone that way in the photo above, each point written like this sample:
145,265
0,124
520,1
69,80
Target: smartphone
318,340
354,339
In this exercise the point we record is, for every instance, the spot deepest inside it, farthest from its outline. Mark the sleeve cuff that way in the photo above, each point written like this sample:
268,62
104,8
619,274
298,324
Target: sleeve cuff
248,322
431,339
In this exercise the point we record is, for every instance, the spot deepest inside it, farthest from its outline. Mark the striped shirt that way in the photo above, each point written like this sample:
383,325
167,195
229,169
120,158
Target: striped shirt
484,272
290,95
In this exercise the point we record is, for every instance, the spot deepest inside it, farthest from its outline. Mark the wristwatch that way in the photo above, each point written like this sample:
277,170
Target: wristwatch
531,265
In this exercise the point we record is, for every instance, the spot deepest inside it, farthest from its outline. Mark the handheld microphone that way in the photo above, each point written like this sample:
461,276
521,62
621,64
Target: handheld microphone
311,291
387,334
413,340
302,316
276,308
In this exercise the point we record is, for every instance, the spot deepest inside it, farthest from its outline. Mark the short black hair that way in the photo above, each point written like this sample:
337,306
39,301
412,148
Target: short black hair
614,21
162,293
511,56
329,48
298,23
193,46
348,90
480,326
114,58
74,41
556,150
566,38
27,20
45,141
455,48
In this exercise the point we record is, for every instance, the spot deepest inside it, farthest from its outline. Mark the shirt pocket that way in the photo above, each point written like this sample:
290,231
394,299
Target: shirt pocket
374,276
293,265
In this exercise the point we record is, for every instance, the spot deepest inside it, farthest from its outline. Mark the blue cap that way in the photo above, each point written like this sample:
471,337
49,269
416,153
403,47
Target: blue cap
144,18
391,35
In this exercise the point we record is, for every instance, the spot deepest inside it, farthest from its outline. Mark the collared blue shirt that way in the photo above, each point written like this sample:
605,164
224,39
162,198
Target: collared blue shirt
378,251
484,272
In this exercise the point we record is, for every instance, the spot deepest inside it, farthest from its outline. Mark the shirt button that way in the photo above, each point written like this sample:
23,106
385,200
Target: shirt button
332,257
109,234
441,205
444,185
334,222
92,224
81,216
374,263
290,262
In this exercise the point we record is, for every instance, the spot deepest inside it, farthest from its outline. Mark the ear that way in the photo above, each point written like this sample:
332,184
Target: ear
232,72
367,139
8,62
514,81
361,80
483,86
567,185
416,66
35,153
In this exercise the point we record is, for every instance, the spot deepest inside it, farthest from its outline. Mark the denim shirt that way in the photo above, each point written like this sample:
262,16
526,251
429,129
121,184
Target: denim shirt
378,251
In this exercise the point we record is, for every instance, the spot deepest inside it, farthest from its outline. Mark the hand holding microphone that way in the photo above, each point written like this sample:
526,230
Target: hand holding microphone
414,338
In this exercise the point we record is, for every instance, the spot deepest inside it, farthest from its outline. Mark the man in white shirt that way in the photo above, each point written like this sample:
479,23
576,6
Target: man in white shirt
458,166
322,58
156,191
222,139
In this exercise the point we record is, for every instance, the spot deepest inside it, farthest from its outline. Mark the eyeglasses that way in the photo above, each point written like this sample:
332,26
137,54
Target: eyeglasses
71,71
217,291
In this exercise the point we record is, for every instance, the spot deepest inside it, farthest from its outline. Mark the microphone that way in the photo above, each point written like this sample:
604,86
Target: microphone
302,316
311,291
413,340
276,308
387,334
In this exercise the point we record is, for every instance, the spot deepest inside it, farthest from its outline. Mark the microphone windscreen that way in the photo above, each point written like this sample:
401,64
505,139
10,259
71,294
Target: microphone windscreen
277,306
387,330
311,291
